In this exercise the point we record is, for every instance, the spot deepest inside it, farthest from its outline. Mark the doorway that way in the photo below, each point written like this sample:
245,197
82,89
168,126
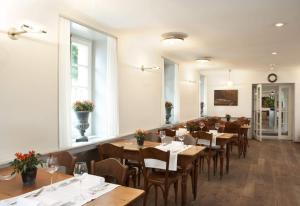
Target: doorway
272,111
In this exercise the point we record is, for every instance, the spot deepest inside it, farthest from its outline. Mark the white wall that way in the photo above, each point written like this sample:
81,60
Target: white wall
243,80
29,81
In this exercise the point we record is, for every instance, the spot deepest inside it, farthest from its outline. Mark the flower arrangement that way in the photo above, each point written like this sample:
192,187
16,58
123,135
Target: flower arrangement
140,136
168,105
80,106
24,162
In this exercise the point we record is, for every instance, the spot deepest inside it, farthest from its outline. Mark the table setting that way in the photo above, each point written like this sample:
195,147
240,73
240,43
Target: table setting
75,191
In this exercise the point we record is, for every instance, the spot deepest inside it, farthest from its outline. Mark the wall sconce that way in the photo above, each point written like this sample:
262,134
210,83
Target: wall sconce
13,33
148,68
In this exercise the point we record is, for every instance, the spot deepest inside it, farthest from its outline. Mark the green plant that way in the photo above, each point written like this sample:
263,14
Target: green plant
227,116
24,162
80,106
168,105
140,134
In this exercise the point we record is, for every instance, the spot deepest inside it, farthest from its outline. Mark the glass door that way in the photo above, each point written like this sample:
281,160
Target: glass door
284,125
258,112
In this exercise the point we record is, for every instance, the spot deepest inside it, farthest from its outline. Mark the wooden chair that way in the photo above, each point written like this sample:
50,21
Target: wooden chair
234,127
205,139
152,137
111,169
162,179
65,159
108,150
169,132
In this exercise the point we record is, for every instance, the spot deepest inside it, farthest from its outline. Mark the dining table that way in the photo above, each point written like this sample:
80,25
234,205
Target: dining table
121,195
184,160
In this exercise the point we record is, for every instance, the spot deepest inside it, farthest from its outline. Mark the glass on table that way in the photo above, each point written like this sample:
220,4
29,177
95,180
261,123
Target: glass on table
181,138
202,125
162,135
79,170
51,167
217,126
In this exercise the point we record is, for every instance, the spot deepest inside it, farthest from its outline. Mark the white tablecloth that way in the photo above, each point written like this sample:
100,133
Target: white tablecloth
67,191
214,139
175,148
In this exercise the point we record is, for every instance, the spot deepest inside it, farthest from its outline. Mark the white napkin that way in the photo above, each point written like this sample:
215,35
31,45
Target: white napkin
27,202
175,148
89,181
214,139
181,132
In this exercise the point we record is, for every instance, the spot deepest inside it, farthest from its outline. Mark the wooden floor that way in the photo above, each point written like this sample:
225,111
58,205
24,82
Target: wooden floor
269,176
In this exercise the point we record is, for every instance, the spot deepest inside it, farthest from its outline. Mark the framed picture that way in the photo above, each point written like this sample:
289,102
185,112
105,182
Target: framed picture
226,98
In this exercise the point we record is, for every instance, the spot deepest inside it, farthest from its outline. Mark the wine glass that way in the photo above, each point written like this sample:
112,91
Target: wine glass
79,170
181,138
202,125
51,167
162,135
217,126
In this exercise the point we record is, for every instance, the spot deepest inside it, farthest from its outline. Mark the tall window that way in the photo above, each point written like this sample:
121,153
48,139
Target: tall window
81,64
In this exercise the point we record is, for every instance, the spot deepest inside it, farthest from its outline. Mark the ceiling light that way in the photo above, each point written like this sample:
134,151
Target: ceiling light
173,38
229,82
203,60
274,53
279,24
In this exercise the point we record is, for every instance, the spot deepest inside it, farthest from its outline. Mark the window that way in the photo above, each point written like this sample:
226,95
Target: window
81,72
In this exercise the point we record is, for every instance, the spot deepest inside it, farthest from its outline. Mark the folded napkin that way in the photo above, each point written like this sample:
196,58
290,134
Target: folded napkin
181,132
175,148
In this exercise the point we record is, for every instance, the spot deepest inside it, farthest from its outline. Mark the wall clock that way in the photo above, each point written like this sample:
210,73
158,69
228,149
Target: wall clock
272,77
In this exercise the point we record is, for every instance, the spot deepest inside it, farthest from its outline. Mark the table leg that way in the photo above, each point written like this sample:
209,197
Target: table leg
227,158
221,161
184,188
195,188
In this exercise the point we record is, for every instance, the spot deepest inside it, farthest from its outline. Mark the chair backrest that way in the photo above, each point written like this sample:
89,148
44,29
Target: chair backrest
152,137
64,158
108,150
189,139
205,138
232,127
169,132
111,169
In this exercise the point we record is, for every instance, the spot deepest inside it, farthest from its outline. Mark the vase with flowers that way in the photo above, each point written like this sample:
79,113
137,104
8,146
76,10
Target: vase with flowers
82,110
26,164
140,136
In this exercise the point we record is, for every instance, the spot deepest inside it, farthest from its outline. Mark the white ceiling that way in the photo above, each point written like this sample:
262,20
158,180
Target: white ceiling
235,33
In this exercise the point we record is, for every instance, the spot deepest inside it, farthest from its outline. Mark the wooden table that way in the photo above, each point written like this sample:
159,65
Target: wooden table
185,158
117,197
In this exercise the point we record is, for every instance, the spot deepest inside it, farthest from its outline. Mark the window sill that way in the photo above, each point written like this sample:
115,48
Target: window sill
92,141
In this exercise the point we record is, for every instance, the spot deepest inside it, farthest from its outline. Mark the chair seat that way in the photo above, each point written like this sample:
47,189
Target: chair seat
158,177
133,163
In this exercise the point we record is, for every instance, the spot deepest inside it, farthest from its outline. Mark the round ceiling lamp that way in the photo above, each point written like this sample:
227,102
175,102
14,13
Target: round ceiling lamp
173,38
203,60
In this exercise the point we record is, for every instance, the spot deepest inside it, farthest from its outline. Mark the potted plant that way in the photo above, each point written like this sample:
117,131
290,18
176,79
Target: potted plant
26,164
227,116
140,136
82,110
169,107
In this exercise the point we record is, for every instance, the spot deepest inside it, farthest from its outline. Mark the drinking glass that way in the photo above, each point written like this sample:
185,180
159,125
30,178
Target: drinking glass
51,167
202,125
181,138
217,126
162,135
79,170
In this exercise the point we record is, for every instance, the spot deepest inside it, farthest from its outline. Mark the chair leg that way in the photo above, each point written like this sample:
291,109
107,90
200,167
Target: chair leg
146,188
215,166
156,194
134,180
208,168
176,191
166,194
139,175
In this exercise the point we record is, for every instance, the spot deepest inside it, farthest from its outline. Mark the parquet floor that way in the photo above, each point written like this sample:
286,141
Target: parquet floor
268,176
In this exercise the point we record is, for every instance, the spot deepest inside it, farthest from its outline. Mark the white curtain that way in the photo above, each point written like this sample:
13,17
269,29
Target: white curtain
112,106
176,95
163,109
65,139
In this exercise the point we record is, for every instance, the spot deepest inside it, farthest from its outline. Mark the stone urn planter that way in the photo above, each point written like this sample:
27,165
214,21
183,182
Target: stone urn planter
83,125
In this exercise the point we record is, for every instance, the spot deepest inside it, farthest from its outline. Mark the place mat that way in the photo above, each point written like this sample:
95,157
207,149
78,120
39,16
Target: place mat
175,148
68,192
